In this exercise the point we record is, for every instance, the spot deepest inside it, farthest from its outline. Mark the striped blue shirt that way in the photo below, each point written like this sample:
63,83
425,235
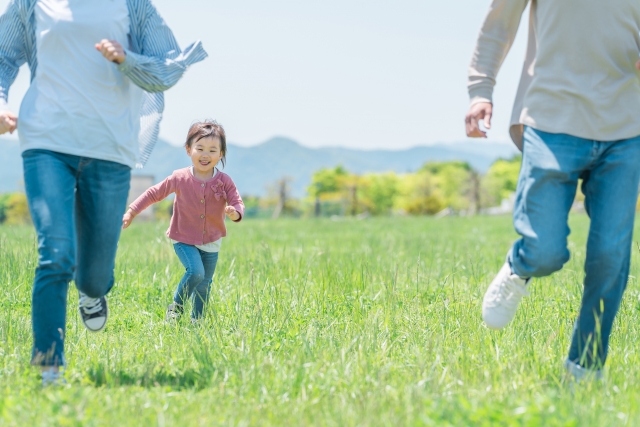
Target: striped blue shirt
154,61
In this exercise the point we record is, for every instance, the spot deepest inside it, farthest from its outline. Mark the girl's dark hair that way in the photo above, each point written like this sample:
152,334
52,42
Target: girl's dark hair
208,129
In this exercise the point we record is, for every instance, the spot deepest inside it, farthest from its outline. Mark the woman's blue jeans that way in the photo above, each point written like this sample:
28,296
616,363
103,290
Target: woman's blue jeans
76,204
552,164
199,268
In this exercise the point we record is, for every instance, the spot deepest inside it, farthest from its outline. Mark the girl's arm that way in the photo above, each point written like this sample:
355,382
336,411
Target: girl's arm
160,63
233,201
153,195
12,56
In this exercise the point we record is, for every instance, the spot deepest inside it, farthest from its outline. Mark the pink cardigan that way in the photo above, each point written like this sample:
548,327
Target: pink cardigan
198,209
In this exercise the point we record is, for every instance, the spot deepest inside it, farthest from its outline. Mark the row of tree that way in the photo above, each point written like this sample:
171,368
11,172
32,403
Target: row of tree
436,187
14,209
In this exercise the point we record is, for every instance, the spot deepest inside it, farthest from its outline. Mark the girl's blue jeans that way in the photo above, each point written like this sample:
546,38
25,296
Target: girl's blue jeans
76,205
199,268
552,164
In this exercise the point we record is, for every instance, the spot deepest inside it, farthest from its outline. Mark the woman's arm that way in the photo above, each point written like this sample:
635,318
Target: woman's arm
12,56
160,63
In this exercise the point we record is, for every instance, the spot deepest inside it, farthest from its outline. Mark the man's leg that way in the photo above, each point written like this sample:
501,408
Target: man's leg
103,188
611,191
50,181
551,166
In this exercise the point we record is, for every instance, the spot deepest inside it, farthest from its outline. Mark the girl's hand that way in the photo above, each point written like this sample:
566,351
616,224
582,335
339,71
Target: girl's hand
112,50
8,122
638,65
232,213
127,218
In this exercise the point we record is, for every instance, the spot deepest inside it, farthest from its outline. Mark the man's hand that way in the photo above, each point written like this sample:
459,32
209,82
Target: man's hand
8,122
232,213
112,50
480,111
128,218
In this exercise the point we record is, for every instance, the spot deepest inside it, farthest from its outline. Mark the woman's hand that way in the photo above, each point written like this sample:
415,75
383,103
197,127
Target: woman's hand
232,213
112,50
8,122
127,218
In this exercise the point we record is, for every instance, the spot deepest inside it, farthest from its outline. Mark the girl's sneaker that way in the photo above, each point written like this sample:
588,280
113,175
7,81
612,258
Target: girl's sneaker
174,311
94,312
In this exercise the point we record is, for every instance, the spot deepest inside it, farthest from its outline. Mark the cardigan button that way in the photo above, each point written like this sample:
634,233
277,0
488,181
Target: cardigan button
201,185
201,200
201,216
204,232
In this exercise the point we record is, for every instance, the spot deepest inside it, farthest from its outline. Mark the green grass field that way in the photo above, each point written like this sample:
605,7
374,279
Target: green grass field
320,323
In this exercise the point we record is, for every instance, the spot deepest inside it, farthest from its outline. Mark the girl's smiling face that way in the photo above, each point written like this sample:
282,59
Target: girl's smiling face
205,155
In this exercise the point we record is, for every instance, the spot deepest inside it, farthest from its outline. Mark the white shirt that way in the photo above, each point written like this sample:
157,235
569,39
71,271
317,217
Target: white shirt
79,103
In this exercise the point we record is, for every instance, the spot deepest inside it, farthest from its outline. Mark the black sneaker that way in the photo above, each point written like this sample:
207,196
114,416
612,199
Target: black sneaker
94,312
174,311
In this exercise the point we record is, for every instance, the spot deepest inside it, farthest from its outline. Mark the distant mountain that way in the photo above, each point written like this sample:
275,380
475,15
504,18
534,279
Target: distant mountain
256,168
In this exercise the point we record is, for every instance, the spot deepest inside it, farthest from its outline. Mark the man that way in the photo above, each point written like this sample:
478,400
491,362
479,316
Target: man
575,117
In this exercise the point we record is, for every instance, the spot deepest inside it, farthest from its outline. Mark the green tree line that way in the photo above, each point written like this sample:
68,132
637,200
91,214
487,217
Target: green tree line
437,186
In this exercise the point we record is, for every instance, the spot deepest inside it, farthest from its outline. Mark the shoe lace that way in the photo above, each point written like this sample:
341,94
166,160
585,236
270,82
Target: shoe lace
511,293
90,305
174,311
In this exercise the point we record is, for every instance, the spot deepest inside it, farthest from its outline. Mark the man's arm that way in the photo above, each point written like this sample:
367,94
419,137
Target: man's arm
494,41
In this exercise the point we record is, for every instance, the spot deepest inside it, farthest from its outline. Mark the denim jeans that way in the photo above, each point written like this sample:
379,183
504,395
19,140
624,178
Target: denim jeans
610,173
76,204
199,268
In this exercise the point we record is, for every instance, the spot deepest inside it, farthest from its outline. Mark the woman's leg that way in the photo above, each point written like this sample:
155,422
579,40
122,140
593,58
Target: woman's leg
50,181
101,200
190,258
201,293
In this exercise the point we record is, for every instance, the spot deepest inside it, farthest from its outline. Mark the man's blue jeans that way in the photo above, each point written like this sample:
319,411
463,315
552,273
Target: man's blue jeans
199,268
552,164
76,204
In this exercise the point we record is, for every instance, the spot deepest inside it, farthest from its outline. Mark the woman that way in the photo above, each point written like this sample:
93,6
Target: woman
90,115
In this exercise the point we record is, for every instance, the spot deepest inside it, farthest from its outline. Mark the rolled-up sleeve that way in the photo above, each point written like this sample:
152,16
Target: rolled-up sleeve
12,50
160,63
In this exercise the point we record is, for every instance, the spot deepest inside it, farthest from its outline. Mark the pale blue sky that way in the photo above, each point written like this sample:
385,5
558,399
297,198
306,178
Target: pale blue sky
352,73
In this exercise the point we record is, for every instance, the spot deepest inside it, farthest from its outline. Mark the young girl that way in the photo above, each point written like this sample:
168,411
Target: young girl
203,196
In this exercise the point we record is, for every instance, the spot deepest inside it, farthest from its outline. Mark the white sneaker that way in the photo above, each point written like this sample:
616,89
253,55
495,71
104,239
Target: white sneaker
52,377
580,374
502,298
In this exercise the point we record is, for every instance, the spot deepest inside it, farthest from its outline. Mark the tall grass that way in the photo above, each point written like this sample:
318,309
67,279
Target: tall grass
320,323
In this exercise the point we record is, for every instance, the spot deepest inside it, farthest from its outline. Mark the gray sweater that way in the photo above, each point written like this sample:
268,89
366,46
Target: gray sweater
579,75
